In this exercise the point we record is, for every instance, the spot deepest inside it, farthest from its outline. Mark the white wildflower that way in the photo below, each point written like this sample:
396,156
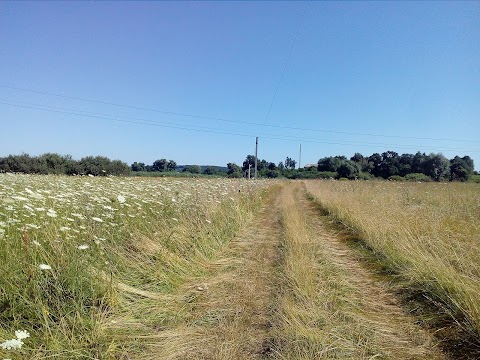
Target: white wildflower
208,221
35,242
83,247
22,334
97,219
40,209
12,344
44,267
64,228
175,219
121,199
52,213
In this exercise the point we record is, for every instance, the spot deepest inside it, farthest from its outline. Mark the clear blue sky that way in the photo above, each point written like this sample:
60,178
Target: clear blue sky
407,72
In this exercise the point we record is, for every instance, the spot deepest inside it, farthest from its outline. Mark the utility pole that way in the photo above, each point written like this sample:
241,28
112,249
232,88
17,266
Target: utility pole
300,157
256,156
249,166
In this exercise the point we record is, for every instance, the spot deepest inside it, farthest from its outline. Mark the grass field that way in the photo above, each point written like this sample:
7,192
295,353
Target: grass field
149,268
427,234
85,261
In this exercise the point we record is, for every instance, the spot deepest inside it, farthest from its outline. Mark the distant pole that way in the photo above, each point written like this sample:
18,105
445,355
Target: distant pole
249,166
256,156
300,157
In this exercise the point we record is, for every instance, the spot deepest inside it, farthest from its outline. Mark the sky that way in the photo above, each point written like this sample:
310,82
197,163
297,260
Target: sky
197,82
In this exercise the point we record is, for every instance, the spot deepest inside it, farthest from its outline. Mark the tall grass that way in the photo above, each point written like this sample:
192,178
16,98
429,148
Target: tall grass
428,233
328,308
115,251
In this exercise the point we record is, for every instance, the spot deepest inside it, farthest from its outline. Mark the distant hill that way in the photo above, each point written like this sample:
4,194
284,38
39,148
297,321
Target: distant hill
203,167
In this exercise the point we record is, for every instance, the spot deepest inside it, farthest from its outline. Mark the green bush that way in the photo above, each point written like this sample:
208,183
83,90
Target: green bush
396,178
417,177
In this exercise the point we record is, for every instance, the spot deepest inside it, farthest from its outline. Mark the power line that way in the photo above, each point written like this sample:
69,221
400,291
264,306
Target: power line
220,131
286,63
237,121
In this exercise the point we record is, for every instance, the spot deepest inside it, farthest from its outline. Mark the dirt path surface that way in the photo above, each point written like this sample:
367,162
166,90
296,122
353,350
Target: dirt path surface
289,288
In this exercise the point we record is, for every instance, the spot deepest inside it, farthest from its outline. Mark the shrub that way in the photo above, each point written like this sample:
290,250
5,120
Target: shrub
417,177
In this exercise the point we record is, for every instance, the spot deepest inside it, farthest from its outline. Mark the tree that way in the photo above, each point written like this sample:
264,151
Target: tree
249,162
418,161
138,166
159,165
171,165
290,163
436,166
210,170
331,163
234,171
461,168
348,169
375,160
193,169
405,164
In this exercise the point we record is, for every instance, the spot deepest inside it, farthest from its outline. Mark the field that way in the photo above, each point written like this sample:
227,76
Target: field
168,268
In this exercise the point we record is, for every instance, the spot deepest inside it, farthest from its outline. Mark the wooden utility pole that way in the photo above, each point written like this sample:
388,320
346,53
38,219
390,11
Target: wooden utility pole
256,156
300,157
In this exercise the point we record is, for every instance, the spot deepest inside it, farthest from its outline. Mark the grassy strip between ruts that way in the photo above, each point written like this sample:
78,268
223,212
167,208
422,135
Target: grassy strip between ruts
427,236
328,308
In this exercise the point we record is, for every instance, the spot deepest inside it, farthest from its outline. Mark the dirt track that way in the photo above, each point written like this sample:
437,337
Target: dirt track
236,312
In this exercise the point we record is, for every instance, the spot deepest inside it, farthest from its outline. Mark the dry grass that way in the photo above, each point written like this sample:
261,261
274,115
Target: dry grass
427,233
331,308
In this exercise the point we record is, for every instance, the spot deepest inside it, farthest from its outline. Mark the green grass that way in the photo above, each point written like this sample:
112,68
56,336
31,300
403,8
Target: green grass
118,248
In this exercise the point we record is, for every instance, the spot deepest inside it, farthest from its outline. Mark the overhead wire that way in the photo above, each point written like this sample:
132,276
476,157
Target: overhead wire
286,62
203,129
236,121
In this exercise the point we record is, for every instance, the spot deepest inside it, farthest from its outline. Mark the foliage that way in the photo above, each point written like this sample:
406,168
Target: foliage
51,163
417,177
290,163
193,169
461,168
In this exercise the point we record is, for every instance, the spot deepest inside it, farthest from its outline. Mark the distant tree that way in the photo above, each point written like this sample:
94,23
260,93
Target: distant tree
348,169
94,165
210,170
375,161
271,173
271,166
418,162
171,165
159,165
461,168
281,166
436,166
290,163
118,168
389,165
234,171
249,162
193,169
405,164
331,163
138,166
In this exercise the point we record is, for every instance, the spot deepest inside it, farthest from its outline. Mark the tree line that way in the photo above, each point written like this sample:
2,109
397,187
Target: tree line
388,165
391,165
51,163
